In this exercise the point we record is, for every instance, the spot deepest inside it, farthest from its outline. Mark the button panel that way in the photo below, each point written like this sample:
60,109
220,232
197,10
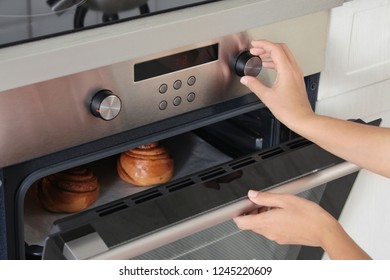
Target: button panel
171,90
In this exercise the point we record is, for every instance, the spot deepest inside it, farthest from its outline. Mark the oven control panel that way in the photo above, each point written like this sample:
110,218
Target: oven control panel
146,89
174,82
104,101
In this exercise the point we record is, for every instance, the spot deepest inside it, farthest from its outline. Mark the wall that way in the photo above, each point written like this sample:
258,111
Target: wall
356,84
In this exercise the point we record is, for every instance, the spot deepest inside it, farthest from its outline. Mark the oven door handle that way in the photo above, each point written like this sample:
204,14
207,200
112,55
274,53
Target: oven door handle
213,217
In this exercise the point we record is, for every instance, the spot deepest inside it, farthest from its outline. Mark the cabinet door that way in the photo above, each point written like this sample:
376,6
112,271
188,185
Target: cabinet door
358,52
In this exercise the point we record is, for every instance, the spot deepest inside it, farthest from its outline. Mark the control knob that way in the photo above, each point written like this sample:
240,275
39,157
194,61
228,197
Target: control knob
105,105
248,65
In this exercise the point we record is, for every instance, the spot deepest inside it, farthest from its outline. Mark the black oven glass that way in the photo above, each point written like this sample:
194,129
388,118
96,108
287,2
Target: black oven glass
225,242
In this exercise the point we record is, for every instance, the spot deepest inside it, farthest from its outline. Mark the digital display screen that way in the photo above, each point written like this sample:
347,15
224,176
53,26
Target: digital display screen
179,61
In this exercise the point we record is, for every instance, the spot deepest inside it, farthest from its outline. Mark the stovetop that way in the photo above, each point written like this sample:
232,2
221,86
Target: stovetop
27,20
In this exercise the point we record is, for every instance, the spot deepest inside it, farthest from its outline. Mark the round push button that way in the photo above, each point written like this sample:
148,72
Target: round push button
163,105
191,97
163,88
177,101
177,84
191,81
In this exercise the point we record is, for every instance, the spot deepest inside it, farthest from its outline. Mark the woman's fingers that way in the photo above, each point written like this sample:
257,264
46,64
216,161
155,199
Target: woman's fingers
267,199
256,86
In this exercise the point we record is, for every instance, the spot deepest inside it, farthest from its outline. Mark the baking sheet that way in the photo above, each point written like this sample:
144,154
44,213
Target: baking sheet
191,154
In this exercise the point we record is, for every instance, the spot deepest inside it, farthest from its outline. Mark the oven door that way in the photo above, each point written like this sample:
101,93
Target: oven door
191,218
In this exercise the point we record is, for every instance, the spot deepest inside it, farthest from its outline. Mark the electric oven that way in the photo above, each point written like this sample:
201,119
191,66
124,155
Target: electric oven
84,95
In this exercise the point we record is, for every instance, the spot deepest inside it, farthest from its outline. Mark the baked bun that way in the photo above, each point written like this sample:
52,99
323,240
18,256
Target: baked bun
68,191
146,165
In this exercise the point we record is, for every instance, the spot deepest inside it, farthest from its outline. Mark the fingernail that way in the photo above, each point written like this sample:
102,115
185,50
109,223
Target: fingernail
252,193
244,80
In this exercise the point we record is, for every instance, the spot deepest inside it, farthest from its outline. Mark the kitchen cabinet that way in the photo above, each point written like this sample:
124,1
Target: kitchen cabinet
358,52
356,83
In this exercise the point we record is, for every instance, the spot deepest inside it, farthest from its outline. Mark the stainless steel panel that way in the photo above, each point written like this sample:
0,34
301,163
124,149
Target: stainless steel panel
53,115
49,116
84,246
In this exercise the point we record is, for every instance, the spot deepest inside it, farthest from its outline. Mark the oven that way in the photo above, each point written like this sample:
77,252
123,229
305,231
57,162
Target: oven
83,98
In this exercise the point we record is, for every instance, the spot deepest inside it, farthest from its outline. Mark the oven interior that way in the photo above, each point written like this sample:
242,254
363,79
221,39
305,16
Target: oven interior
196,151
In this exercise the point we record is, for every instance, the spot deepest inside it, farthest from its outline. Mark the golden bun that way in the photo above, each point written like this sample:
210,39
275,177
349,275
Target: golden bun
146,165
68,191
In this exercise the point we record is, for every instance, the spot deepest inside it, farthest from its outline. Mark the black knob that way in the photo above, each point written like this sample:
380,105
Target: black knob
105,105
248,64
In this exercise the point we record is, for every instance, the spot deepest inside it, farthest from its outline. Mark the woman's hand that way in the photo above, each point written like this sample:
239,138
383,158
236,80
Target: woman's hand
287,98
290,220
365,145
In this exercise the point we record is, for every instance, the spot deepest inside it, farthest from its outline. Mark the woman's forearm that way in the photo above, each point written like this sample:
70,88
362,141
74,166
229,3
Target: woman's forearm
340,246
365,145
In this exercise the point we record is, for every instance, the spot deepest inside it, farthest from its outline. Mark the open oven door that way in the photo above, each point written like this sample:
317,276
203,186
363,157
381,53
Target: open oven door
191,218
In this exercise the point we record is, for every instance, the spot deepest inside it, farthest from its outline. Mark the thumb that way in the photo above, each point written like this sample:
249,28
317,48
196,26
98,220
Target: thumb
255,85
266,199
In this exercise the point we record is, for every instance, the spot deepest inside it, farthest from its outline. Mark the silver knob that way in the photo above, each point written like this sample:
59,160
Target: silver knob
105,105
248,64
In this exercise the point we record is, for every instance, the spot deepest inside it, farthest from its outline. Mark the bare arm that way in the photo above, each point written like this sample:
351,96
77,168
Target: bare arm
364,145
294,220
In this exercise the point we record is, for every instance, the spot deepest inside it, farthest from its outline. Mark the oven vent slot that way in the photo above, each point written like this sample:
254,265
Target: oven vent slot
111,209
179,185
146,196
212,173
271,153
242,163
298,144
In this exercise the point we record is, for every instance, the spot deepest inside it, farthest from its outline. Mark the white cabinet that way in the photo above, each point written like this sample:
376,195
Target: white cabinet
358,50
356,83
